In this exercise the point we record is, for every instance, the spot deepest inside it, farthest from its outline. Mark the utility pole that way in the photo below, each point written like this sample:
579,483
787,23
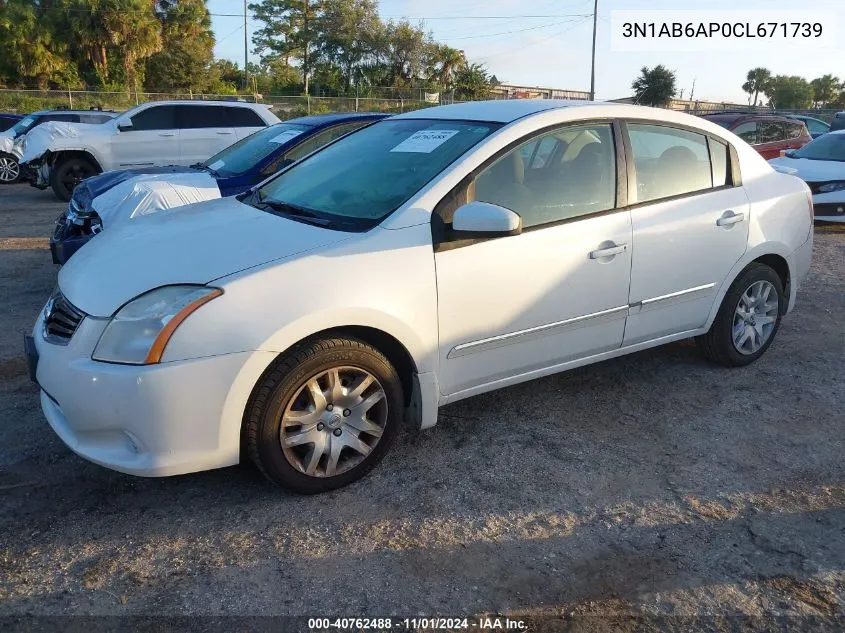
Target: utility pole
692,92
593,65
246,52
306,70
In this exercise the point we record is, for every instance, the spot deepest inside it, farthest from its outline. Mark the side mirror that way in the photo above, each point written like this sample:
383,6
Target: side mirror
126,126
482,219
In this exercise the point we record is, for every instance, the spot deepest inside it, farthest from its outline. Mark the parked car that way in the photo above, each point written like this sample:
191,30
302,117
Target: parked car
816,127
838,122
416,262
821,164
8,120
767,133
102,201
10,171
150,135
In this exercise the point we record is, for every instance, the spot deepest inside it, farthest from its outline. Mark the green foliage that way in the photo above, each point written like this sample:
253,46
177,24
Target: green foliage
826,90
184,63
755,82
654,86
789,92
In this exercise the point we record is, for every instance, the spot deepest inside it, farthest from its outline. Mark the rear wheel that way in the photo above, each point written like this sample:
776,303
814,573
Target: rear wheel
68,173
748,318
323,415
10,170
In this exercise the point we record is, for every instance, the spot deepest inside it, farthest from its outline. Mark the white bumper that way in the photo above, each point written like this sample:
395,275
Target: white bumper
152,421
834,201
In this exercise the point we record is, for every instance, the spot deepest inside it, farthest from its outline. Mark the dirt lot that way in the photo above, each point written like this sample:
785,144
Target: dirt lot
655,485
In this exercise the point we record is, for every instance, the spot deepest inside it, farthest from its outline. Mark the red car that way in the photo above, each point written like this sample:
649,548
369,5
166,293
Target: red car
767,133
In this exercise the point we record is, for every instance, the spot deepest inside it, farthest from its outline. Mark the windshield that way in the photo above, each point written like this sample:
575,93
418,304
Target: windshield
366,176
22,126
243,155
827,147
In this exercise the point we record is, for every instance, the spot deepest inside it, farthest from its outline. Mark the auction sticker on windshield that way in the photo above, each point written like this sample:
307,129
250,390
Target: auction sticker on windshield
424,141
216,165
285,136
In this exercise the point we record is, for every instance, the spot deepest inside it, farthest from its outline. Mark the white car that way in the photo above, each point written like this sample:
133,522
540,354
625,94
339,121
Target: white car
430,257
821,164
60,155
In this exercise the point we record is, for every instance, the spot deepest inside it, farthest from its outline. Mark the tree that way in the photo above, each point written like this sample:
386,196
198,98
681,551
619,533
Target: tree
755,83
184,62
826,90
445,63
290,31
135,32
348,35
29,48
789,92
654,86
472,82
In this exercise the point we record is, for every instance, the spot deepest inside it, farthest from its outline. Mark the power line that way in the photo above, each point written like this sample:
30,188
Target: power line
530,28
544,39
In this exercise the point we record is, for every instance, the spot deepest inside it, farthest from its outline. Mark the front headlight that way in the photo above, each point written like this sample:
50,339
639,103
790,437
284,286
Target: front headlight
140,330
832,186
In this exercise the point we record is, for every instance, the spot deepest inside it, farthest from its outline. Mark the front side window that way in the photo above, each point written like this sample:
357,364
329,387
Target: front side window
827,147
576,176
243,155
366,176
155,118
668,161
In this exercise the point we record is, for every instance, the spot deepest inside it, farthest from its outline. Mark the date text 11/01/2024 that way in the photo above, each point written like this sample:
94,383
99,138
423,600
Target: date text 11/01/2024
422,623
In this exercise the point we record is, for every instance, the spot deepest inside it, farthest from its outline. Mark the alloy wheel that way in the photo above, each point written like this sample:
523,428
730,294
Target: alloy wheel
334,421
9,169
755,317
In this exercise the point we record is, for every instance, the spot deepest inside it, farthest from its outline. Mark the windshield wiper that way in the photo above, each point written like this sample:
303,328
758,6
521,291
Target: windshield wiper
293,211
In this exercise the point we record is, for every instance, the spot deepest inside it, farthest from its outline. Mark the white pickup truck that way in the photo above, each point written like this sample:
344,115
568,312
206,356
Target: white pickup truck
60,155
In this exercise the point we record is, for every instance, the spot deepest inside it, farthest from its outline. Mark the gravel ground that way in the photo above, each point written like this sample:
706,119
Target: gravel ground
650,486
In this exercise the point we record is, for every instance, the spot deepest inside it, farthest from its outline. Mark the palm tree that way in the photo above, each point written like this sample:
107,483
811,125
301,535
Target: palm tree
756,81
447,61
137,32
27,45
826,89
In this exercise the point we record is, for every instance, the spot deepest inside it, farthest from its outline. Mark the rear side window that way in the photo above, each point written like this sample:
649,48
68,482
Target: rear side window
192,117
155,118
747,132
668,161
770,131
66,118
244,117
794,130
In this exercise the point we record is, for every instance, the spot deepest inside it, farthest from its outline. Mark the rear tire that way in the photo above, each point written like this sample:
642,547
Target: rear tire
323,415
748,318
68,173
10,169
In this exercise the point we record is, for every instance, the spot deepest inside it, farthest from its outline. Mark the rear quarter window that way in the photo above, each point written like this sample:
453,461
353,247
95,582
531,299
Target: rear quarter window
244,117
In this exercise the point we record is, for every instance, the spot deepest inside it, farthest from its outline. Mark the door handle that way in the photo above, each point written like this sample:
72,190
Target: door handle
225,132
167,134
608,251
729,218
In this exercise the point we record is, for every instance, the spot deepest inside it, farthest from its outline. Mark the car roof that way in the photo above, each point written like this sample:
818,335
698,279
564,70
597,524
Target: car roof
498,111
335,117
219,102
109,113
732,117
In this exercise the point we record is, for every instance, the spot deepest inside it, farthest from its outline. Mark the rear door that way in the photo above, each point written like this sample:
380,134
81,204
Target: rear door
690,226
152,140
204,131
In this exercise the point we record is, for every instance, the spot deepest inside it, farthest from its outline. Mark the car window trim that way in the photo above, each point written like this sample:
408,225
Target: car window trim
733,162
443,240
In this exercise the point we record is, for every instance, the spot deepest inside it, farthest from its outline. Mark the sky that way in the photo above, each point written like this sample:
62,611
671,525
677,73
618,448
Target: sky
554,50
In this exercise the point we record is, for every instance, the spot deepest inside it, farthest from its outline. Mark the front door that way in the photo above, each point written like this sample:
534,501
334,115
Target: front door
554,293
690,227
152,140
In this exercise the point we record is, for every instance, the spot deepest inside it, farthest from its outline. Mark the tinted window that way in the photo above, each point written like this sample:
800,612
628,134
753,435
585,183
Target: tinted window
770,131
95,118
155,118
244,117
816,127
668,161
747,132
67,118
370,174
192,117
246,153
6,122
577,176
322,138
719,160
794,130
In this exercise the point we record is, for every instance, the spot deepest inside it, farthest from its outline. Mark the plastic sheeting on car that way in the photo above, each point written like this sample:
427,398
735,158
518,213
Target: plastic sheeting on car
41,138
143,195
6,143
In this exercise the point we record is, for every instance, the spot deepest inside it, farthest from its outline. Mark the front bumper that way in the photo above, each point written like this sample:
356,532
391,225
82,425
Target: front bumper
153,420
829,207
69,236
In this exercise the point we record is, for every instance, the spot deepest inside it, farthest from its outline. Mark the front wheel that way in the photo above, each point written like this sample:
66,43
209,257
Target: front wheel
68,173
10,170
748,318
323,415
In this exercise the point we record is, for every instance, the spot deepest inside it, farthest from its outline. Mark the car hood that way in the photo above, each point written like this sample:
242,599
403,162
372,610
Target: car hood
194,244
810,170
54,135
95,185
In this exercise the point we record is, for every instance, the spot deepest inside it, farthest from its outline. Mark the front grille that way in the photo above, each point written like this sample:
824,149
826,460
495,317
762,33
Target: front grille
61,319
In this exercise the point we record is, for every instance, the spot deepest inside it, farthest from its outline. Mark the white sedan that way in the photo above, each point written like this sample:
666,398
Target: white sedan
430,257
821,164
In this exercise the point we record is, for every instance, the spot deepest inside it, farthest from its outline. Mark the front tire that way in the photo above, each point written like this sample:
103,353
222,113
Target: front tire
68,173
323,415
748,318
10,170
